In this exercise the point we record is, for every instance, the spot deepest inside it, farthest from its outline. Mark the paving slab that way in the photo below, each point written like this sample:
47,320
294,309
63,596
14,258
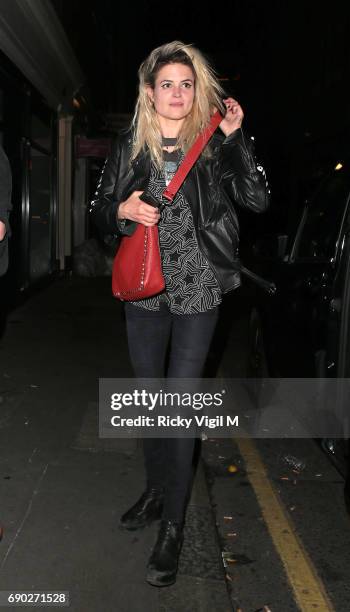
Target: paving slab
62,488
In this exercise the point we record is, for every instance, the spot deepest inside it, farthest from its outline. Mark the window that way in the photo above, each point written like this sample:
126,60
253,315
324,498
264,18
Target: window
40,223
41,133
324,216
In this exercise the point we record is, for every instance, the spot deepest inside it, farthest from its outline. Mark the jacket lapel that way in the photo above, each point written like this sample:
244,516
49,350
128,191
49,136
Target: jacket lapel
136,178
141,166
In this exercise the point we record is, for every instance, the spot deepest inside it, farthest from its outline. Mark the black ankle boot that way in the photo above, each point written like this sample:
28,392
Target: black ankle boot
147,509
162,565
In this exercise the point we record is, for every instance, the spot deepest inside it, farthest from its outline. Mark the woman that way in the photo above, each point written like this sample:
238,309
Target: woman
198,234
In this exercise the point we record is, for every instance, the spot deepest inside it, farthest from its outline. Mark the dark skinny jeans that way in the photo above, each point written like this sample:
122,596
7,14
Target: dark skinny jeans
168,461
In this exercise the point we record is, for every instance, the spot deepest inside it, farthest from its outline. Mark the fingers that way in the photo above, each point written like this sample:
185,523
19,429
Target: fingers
147,214
232,105
150,213
147,224
230,101
139,211
148,219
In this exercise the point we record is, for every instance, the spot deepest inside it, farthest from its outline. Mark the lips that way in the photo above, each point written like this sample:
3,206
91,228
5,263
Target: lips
176,104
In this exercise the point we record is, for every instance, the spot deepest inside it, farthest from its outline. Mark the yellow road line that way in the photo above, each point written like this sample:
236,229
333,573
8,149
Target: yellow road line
308,589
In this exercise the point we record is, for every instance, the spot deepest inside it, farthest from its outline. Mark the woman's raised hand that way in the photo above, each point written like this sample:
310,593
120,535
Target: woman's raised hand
233,118
136,210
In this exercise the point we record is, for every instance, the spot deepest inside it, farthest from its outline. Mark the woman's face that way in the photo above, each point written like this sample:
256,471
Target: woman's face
173,92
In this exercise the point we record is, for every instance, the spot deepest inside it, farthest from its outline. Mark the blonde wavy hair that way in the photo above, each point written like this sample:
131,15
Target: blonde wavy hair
208,94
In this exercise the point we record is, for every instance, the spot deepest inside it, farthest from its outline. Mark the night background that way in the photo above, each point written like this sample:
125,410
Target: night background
287,63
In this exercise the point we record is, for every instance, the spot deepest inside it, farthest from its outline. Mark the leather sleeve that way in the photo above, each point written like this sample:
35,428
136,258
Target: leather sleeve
242,177
104,207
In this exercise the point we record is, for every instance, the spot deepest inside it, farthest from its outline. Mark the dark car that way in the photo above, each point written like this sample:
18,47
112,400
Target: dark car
303,330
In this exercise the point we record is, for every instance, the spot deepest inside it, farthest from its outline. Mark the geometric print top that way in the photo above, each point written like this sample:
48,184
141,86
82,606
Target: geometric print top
190,284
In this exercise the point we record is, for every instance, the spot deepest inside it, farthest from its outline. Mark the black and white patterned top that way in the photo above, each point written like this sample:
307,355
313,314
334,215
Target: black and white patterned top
190,284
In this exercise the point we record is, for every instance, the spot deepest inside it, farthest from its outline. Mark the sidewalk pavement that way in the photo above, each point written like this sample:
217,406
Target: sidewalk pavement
62,489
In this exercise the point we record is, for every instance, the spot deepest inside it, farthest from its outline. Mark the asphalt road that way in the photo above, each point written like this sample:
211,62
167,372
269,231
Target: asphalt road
260,535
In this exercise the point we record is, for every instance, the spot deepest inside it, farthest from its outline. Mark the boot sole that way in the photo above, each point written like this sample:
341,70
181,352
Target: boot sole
138,527
134,527
156,580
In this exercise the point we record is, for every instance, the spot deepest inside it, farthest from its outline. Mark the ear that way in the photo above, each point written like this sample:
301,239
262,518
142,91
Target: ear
149,91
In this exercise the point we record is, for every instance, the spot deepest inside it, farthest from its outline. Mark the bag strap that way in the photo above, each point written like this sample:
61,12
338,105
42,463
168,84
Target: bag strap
191,157
183,170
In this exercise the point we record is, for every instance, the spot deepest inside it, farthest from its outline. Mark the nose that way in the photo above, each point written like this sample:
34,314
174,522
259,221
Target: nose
177,91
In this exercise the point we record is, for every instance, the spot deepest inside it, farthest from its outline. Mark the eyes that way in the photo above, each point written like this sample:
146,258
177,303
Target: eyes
169,84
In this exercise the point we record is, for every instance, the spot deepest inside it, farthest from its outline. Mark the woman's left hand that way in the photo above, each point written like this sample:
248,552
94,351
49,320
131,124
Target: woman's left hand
233,118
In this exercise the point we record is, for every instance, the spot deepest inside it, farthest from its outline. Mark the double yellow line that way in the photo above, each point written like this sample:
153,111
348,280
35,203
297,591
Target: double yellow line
309,592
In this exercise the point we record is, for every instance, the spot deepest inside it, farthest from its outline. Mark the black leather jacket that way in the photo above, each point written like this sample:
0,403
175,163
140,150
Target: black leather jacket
230,177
